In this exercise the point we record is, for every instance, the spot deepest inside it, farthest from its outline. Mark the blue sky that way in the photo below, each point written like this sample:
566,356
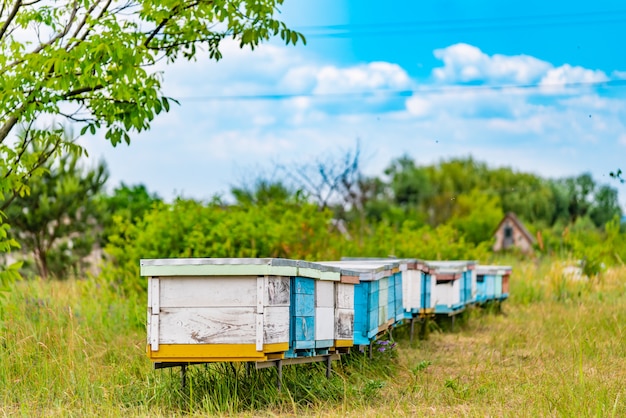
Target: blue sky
536,85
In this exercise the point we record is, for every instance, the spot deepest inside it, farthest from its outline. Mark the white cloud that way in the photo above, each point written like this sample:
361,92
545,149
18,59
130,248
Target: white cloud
197,146
566,74
466,63
329,79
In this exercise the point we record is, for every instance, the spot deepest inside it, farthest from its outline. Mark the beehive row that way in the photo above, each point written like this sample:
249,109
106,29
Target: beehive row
244,309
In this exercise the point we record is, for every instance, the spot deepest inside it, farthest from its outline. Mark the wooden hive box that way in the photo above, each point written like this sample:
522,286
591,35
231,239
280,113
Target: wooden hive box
371,297
413,283
313,310
493,282
395,286
427,285
344,308
454,285
207,309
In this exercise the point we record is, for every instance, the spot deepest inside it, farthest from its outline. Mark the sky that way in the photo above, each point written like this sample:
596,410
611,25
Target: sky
539,86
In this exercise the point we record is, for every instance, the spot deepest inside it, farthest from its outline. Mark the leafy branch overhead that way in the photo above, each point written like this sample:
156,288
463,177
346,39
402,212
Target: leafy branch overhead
93,61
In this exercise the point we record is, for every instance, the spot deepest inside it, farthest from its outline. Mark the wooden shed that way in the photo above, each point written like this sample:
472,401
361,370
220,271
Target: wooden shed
511,233
242,309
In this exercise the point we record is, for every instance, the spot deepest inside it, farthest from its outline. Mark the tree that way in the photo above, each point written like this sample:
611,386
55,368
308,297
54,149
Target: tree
59,219
605,206
263,191
330,180
93,63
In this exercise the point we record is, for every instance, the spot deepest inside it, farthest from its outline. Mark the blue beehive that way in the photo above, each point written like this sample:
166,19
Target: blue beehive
373,297
492,283
312,310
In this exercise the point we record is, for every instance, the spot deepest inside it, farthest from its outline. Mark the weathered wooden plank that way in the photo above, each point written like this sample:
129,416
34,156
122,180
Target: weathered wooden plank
149,295
324,323
260,294
344,296
303,285
276,324
259,331
324,294
448,293
344,324
203,291
304,328
383,314
304,305
154,332
415,278
278,291
156,295
208,326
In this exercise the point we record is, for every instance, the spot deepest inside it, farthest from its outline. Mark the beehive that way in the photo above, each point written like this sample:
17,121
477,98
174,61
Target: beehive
492,282
218,309
313,308
241,309
373,296
454,285
416,289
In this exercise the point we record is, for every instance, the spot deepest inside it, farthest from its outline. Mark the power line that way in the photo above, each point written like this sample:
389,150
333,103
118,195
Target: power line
405,93
464,25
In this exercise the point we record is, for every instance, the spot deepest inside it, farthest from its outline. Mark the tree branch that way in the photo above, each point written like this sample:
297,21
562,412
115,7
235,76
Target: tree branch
164,22
12,14
7,127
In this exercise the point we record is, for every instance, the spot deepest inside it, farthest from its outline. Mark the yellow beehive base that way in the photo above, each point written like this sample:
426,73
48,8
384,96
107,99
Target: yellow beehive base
344,343
216,352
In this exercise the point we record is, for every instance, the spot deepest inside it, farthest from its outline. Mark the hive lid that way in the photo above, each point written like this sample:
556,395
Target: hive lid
236,267
370,269
493,270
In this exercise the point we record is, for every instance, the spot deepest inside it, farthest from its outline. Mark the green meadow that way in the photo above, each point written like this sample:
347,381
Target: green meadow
556,348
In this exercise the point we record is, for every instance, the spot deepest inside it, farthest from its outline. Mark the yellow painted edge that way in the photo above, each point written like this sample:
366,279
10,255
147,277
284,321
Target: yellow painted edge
208,359
344,343
202,352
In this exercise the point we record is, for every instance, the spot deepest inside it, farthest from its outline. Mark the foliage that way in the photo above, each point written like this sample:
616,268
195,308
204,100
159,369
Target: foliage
263,192
188,228
126,202
58,221
94,63
476,215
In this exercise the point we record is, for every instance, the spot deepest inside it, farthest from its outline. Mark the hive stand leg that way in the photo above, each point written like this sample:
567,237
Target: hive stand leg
328,367
183,372
279,369
247,369
412,330
370,349
452,326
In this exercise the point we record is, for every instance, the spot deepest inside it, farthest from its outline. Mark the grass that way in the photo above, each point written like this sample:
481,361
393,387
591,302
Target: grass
74,349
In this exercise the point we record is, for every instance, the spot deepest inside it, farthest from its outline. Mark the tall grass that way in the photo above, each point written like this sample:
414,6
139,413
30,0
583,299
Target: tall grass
558,348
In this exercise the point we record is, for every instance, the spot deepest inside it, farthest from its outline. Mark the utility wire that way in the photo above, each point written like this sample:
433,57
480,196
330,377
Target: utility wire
405,93
456,25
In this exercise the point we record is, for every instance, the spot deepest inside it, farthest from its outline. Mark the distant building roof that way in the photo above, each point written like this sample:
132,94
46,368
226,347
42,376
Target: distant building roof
518,224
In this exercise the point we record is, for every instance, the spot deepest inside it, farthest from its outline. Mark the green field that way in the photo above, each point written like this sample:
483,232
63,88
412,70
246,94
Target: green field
74,348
